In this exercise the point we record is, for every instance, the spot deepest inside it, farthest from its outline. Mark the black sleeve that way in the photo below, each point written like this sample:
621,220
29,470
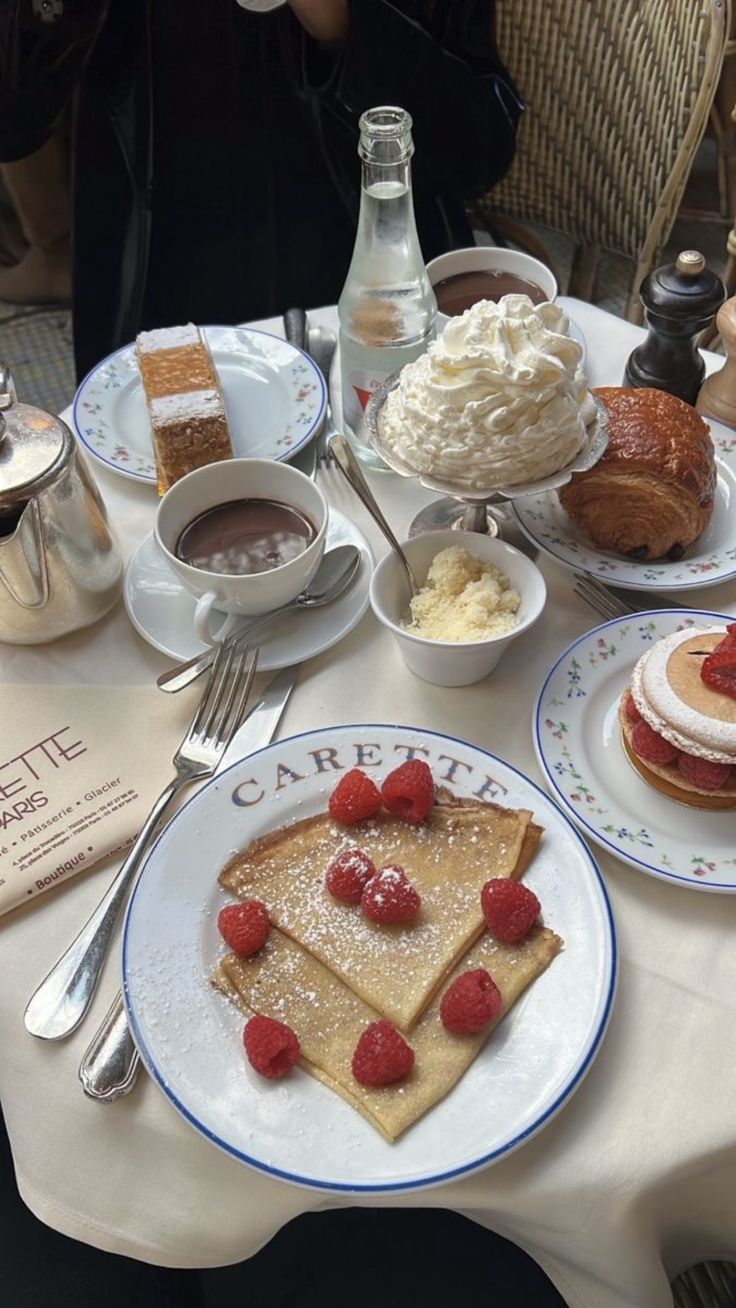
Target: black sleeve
438,60
43,50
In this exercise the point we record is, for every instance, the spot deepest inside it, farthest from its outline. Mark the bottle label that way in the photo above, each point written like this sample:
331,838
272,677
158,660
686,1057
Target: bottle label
357,388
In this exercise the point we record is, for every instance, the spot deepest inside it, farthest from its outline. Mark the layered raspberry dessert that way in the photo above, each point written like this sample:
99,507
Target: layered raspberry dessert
498,400
678,716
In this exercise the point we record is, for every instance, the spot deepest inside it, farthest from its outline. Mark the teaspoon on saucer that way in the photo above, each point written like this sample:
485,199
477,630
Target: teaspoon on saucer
333,576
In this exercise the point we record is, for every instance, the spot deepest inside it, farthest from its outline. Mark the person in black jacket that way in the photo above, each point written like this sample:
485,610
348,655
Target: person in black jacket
216,177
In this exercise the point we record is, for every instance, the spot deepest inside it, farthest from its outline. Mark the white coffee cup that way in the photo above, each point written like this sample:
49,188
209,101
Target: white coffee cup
240,595
490,258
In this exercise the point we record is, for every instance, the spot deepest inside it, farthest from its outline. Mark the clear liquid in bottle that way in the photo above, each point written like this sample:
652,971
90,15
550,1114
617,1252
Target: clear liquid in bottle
387,309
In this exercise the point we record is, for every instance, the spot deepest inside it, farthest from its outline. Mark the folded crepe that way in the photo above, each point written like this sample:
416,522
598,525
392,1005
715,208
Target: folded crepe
395,969
286,982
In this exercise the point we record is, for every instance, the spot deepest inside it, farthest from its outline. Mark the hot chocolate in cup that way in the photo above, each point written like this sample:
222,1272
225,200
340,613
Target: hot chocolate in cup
486,272
244,536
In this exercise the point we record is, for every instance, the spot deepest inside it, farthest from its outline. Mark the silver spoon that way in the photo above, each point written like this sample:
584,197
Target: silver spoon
353,473
333,576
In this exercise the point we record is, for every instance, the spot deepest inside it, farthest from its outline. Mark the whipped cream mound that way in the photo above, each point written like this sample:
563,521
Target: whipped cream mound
463,599
498,399
707,736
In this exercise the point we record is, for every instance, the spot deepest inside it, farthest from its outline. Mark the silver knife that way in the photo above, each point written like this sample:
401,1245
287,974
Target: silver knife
109,1065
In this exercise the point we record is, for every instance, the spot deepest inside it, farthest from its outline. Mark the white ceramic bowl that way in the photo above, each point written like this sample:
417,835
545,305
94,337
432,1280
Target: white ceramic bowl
453,663
494,259
233,479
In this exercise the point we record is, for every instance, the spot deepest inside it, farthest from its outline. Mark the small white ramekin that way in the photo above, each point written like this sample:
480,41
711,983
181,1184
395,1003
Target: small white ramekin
453,663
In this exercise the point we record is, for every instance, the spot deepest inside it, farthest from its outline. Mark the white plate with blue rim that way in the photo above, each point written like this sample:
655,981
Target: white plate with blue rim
710,560
577,738
275,397
296,1129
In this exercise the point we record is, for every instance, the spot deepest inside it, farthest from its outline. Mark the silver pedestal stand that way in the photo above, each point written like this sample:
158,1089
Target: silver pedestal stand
482,510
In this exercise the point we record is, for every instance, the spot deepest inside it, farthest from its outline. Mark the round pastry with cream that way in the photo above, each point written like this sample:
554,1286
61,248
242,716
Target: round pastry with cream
678,716
499,399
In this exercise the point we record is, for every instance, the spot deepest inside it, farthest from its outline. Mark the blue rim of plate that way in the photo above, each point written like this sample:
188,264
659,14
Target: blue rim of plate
256,331
443,1177
661,874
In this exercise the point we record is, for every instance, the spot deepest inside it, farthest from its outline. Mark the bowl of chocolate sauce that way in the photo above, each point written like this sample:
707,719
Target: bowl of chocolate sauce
485,272
247,533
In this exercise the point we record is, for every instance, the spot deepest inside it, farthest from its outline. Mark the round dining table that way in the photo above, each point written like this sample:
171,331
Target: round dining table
631,1182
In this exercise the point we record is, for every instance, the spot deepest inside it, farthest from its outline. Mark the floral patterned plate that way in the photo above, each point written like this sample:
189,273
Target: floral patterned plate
578,744
709,561
274,394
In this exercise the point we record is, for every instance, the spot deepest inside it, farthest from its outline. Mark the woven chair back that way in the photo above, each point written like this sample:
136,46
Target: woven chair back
617,97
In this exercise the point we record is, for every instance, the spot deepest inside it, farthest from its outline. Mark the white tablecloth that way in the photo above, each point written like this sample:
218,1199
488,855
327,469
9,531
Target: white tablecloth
633,1181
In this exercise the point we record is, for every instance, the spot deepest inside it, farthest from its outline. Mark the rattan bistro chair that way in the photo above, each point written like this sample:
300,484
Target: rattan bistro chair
617,94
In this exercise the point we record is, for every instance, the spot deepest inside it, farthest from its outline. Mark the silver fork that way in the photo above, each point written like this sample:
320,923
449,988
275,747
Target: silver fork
63,997
599,598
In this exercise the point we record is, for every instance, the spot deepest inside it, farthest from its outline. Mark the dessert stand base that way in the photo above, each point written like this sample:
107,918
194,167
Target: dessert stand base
459,515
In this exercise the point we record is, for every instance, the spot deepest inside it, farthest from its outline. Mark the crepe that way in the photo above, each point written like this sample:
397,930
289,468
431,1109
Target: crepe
396,969
286,982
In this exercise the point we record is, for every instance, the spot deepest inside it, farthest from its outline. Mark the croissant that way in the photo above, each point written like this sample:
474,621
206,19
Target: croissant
652,492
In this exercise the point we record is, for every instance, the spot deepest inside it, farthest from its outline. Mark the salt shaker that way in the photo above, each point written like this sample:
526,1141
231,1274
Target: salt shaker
717,396
679,302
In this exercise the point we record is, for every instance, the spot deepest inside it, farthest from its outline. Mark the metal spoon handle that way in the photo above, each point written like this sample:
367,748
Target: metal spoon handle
109,1067
183,674
352,471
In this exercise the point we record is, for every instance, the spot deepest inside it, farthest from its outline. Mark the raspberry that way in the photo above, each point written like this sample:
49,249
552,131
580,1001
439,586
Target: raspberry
650,746
355,797
470,1003
408,791
509,908
631,710
271,1046
702,773
390,896
381,1055
718,669
349,874
244,926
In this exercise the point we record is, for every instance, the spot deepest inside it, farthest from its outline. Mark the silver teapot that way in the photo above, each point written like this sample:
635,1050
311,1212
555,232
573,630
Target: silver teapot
60,566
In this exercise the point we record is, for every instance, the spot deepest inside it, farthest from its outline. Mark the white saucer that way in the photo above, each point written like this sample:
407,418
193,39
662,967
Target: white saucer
162,611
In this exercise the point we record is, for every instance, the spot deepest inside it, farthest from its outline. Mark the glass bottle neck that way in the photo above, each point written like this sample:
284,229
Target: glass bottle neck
385,179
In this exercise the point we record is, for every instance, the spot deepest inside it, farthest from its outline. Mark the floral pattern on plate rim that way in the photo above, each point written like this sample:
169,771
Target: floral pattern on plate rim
550,534
572,782
306,395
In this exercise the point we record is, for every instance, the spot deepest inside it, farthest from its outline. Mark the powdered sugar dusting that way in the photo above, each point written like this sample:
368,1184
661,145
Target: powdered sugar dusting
394,967
187,404
664,710
168,338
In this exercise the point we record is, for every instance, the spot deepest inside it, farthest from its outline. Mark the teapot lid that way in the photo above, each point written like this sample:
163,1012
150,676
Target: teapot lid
33,446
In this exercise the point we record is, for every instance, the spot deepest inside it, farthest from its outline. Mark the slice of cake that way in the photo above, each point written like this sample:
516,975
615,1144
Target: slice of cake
188,420
678,716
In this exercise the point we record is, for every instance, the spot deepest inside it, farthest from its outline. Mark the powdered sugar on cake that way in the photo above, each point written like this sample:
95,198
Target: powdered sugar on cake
168,338
705,736
186,404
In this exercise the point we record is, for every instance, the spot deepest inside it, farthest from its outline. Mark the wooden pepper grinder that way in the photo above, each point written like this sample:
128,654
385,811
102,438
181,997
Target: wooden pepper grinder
679,301
717,397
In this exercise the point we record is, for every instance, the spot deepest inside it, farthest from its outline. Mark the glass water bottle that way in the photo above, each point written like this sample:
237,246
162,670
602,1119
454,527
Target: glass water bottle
387,308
